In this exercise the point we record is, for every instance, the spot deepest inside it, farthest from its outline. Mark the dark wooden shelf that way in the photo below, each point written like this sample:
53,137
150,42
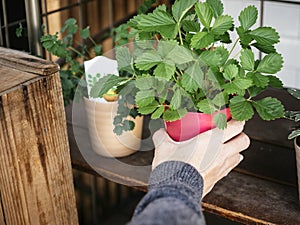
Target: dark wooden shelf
261,190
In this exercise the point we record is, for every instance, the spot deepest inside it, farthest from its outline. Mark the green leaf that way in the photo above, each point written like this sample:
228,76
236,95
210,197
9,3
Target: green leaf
217,7
176,100
144,98
220,99
270,64
265,35
144,83
258,79
247,60
85,33
147,109
294,92
181,7
248,17
98,50
204,13
104,84
254,91
206,106
124,59
165,71
158,112
19,30
147,60
269,108
158,21
240,108
193,77
220,120
275,82
183,55
222,24
264,48
245,38
215,57
190,26
172,115
293,115
237,86
201,40
70,25
231,71
294,134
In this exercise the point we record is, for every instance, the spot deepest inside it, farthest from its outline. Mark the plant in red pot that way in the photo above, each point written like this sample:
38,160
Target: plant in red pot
184,68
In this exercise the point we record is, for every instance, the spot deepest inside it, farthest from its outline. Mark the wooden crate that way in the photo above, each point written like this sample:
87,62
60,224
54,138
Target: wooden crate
36,183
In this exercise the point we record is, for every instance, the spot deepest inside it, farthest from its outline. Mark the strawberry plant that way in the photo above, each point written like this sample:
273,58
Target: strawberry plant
183,60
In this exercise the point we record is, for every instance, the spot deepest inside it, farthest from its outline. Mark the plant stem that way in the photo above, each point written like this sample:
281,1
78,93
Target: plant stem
180,35
92,40
234,45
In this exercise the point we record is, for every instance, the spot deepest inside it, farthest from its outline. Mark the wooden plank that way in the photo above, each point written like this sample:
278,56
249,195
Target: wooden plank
25,62
11,78
36,184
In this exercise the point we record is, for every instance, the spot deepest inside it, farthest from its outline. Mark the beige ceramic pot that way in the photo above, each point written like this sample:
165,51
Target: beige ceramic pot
104,141
297,149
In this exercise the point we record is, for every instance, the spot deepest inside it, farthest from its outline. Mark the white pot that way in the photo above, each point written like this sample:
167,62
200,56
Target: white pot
104,141
297,149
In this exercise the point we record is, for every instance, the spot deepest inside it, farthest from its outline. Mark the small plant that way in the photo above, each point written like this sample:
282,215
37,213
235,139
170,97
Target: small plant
61,45
191,64
294,115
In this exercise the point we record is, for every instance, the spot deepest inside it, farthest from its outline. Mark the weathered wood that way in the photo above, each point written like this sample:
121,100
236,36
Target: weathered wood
27,63
36,184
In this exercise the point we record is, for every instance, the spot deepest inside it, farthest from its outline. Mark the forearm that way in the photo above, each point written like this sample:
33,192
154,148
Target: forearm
174,196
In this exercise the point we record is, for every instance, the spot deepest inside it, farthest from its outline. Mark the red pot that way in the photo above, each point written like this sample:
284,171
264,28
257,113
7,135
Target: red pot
192,124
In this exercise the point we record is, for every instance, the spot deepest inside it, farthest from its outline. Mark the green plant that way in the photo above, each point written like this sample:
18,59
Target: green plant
294,115
189,65
61,44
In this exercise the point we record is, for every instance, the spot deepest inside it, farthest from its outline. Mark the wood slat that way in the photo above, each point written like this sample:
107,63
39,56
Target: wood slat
24,62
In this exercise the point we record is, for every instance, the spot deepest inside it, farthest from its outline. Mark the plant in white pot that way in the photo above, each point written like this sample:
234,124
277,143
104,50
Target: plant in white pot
184,68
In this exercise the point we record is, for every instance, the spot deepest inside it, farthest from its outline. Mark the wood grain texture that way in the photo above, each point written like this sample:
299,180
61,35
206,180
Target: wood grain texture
36,183
25,62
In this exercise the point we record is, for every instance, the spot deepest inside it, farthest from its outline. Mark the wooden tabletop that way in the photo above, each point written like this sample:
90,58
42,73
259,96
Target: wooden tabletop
261,190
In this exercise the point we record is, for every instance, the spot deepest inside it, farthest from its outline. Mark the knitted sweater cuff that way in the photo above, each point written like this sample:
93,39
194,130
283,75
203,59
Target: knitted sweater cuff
177,173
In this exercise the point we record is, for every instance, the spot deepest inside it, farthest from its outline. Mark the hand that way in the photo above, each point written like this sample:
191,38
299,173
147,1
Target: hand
213,153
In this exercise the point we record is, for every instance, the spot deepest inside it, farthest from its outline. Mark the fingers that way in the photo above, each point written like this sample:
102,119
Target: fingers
233,129
237,144
159,136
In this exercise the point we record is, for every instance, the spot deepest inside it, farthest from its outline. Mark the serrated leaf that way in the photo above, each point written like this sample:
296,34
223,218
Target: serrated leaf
147,109
237,86
190,26
201,40
294,134
240,108
294,92
176,100
147,60
158,112
269,108
222,24
231,71
245,38
206,106
264,48
215,57
220,120
104,84
248,17
254,91
205,13
247,60
70,25
158,21
217,7
124,59
265,35
275,82
144,83
164,70
98,50
270,64
258,79
181,7
220,99
183,55
172,115
193,77
85,33
144,98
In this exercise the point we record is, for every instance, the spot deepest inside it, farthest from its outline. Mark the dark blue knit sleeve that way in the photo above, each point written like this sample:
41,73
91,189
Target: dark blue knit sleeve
174,196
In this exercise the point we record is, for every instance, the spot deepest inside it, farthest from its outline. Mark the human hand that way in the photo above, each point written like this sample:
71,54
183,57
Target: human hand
213,153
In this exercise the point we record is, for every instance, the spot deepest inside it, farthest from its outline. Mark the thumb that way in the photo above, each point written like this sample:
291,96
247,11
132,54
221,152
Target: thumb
159,136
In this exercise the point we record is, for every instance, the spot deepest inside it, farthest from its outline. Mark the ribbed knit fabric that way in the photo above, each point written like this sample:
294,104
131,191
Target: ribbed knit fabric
174,195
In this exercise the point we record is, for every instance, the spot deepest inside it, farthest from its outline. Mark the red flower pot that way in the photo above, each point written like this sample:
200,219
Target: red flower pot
192,124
